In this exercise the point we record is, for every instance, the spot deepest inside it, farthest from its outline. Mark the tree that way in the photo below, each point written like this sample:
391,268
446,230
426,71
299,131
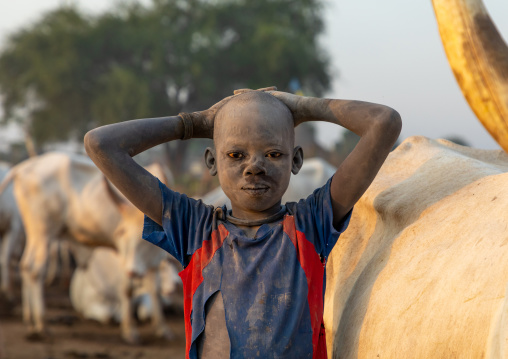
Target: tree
70,72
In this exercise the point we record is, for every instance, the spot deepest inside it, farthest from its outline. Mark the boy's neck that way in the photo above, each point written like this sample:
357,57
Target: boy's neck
252,231
246,216
257,222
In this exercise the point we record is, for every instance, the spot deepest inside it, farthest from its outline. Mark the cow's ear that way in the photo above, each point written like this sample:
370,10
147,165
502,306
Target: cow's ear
117,199
211,161
297,160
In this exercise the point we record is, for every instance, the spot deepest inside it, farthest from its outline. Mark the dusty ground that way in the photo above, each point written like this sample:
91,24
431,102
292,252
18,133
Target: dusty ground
74,337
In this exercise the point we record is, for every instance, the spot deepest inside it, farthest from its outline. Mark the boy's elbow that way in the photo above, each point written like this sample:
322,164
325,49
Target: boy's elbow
390,124
395,122
94,143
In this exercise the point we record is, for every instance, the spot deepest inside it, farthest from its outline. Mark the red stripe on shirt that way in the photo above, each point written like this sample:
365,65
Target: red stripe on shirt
314,272
192,277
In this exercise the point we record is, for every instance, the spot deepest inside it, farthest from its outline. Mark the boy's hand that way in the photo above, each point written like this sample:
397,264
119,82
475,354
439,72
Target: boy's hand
203,121
264,89
293,103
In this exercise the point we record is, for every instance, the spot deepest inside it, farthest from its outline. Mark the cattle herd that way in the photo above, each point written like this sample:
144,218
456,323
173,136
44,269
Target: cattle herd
421,272
60,197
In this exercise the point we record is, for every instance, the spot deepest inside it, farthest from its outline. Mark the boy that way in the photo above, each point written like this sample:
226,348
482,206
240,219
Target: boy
253,275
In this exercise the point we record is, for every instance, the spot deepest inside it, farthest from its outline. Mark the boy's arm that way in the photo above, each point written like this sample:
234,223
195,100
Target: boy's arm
112,147
378,127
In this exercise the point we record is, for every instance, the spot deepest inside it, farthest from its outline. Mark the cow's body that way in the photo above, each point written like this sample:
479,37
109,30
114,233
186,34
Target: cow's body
96,292
422,270
61,195
12,234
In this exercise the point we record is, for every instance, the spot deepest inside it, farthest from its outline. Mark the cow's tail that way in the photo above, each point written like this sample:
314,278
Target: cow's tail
7,179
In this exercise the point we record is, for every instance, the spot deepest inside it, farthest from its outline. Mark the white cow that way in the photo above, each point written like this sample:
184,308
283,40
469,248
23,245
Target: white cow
12,234
12,239
95,290
60,195
313,174
422,270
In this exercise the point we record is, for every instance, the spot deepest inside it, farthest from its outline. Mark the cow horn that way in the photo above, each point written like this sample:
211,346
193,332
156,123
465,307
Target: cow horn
478,57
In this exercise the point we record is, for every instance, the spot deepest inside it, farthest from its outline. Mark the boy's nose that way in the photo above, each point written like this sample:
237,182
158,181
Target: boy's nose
255,167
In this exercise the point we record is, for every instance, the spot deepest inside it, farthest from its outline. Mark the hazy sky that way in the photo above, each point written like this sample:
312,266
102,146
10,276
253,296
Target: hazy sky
383,51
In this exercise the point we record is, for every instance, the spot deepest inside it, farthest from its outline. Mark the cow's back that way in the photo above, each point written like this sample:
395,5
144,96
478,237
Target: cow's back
64,194
422,270
56,172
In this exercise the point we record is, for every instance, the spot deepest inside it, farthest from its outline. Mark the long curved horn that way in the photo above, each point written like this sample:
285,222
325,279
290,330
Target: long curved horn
478,57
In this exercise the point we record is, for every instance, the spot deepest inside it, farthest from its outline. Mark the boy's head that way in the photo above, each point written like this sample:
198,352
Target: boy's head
254,152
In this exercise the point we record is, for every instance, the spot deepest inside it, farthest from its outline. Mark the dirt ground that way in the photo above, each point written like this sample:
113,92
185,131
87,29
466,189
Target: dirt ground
71,336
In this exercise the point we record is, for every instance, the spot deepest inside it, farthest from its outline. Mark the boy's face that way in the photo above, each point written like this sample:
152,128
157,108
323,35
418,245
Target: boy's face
254,155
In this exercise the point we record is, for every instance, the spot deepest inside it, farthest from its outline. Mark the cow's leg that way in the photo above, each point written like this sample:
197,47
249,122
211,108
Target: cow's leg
65,259
38,297
53,265
59,264
129,331
25,298
5,262
43,220
152,284
12,243
33,263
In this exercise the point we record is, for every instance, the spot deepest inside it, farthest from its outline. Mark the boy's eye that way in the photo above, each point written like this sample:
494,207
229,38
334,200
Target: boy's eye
273,154
235,155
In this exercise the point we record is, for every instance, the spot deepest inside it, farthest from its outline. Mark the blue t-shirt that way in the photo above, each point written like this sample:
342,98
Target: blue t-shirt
272,285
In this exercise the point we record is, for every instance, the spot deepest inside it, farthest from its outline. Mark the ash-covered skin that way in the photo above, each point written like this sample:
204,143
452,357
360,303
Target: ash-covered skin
254,153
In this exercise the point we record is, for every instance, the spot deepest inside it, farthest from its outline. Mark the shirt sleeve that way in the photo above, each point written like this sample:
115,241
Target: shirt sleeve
186,222
314,217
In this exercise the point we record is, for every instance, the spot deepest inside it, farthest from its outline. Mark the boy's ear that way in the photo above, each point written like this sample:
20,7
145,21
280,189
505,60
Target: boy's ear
297,160
210,161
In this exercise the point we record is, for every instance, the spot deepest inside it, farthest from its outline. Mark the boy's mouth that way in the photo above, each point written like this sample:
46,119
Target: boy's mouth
256,190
